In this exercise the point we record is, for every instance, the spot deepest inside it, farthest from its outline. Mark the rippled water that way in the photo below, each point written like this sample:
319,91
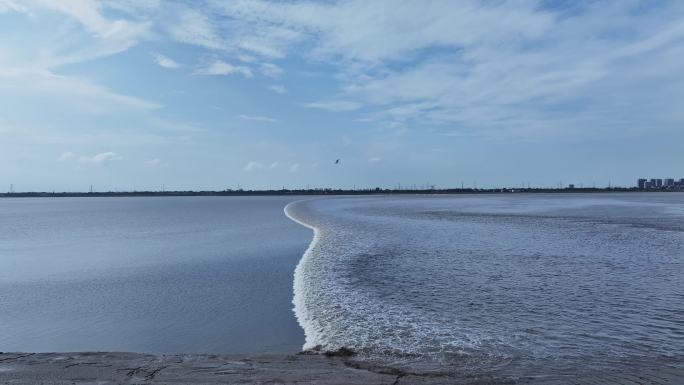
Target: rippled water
511,284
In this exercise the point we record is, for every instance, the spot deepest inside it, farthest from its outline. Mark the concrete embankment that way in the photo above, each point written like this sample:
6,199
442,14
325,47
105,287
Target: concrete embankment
134,368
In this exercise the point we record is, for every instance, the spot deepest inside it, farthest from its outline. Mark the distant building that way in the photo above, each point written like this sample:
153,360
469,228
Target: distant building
658,183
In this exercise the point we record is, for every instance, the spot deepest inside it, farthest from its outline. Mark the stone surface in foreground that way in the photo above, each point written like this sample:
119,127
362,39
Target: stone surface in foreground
135,368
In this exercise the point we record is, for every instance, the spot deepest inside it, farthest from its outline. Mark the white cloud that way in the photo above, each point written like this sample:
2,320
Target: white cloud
100,159
252,166
193,27
381,29
335,105
278,88
294,167
497,66
257,118
486,67
45,82
153,162
165,61
271,70
11,6
374,159
220,67
89,13
67,155
67,32
104,36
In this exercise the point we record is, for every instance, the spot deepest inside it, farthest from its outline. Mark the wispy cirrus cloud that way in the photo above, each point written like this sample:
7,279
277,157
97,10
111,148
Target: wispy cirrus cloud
105,35
253,166
278,89
433,71
194,27
258,118
220,67
165,61
256,166
100,159
271,70
74,32
11,6
335,105
65,156
48,83
540,64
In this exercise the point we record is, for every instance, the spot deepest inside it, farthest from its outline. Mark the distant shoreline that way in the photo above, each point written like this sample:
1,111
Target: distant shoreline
327,191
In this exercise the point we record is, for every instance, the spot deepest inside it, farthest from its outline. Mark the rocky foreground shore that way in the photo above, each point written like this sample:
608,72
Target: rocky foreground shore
135,368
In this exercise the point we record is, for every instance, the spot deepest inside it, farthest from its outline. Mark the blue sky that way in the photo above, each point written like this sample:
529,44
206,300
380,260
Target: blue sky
131,94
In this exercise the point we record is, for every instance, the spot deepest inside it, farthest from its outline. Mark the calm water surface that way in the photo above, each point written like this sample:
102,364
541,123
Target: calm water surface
165,275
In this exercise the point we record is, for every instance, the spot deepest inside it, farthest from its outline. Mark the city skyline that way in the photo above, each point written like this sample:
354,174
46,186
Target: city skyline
134,95
644,183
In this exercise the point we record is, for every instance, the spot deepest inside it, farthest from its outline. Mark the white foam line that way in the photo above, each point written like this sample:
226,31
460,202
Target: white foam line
304,318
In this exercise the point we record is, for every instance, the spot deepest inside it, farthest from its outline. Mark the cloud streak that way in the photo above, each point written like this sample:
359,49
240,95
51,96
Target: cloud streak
357,79
65,156
335,105
100,159
516,67
7,6
278,89
49,83
164,61
540,66
220,67
257,118
253,166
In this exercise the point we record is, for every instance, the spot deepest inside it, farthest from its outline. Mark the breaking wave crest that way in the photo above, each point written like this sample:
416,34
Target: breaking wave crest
492,282
304,317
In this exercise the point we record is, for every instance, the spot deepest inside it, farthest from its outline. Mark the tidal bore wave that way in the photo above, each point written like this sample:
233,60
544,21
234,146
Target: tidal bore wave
303,316
502,284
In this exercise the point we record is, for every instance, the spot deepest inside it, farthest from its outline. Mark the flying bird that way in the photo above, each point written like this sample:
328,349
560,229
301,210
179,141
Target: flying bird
337,161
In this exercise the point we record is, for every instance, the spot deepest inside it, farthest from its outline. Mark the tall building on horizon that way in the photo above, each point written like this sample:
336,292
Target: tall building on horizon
669,183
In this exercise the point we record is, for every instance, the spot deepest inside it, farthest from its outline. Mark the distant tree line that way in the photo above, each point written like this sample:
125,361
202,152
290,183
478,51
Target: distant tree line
324,191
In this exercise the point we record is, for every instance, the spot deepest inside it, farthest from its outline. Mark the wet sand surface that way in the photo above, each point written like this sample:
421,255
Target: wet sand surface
136,368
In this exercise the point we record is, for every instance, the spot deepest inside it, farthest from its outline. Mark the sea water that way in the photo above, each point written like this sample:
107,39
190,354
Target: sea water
511,284
149,274
507,285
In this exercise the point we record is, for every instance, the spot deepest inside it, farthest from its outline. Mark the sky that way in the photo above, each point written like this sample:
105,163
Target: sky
212,95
